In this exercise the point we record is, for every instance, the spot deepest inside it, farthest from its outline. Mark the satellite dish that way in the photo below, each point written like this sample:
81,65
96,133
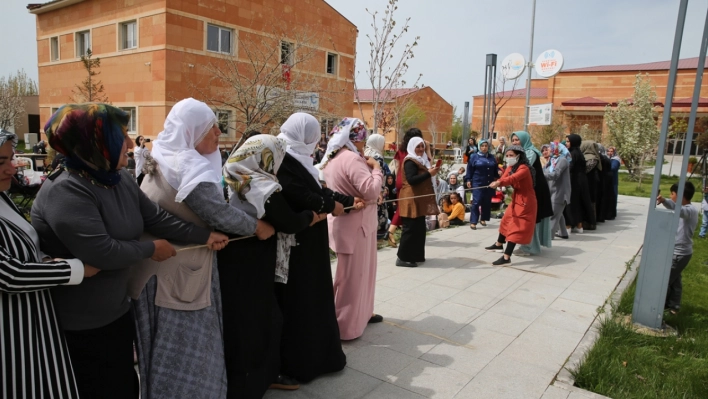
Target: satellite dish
513,66
549,63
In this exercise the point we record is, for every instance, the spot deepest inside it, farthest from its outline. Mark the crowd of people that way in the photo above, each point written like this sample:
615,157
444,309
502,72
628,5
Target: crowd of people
228,296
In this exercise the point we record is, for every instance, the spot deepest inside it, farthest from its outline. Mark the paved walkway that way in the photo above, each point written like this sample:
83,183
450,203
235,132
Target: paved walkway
458,327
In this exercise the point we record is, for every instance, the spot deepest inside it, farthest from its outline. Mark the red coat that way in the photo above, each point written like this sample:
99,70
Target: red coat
519,221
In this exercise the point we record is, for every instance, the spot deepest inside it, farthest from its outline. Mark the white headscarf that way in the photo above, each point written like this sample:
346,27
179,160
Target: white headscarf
412,144
302,133
375,146
250,172
174,150
348,132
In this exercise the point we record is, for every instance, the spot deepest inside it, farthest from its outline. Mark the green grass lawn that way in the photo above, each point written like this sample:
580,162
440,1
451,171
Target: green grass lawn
624,364
629,187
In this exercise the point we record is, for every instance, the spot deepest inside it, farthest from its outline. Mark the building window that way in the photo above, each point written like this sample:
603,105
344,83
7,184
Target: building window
331,64
133,123
52,110
83,43
326,125
287,53
224,119
128,35
54,48
219,39
494,135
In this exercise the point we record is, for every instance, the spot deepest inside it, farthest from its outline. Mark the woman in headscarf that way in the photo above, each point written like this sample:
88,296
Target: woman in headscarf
517,224
353,236
605,189
542,233
184,178
593,167
249,268
398,159
417,182
90,208
615,163
26,274
470,149
557,173
546,154
579,207
482,169
310,344
374,149
391,195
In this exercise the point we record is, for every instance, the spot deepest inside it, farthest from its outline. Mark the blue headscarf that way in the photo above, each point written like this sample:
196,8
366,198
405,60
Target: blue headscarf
479,147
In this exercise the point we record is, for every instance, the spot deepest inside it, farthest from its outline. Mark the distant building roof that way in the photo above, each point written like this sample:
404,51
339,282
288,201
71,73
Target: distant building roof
38,8
686,102
536,92
367,95
585,102
686,63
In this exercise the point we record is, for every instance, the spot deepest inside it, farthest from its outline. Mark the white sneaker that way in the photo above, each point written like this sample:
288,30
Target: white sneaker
576,230
520,252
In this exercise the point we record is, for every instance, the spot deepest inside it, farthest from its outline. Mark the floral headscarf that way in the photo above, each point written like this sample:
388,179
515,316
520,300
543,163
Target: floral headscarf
557,150
5,136
348,132
91,136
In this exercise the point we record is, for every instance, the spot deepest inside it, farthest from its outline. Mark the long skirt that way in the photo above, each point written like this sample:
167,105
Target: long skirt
181,353
558,221
541,236
412,245
354,286
481,198
580,207
252,319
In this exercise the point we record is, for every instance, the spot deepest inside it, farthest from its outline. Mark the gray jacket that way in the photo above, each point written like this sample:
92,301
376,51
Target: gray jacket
559,181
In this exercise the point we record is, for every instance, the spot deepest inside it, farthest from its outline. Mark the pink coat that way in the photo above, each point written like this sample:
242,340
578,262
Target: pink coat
349,174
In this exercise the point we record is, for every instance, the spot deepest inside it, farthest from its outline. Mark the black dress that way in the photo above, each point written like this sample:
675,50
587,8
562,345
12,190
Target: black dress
252,319
580,206
605,190
543,193
310,344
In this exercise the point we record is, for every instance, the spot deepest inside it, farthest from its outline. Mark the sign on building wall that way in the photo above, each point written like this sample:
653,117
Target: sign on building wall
549,63
513,66
302,100
540,114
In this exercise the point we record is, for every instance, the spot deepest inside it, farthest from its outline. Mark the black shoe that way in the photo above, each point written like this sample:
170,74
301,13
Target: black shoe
405,264
377,318
420,261
502,261
560,236
285,382
495,248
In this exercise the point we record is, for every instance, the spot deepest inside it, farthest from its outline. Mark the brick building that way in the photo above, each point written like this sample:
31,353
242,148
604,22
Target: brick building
432,114
580,95
154,52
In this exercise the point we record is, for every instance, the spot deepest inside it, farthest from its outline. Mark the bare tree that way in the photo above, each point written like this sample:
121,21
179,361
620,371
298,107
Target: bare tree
386,67
12,105
91,89
267,79
502,97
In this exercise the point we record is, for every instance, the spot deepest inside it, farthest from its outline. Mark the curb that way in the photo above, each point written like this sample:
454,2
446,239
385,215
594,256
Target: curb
564,379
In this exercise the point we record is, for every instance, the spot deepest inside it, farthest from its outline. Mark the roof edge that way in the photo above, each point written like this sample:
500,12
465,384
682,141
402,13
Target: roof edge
342,15
51,6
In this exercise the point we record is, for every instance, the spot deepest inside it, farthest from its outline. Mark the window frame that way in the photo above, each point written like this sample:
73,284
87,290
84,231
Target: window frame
335,70
122,33
54,39
291,53
83,34
229,121
220,29
133,112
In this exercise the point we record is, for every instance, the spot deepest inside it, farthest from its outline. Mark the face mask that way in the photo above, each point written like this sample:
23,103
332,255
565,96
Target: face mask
512,161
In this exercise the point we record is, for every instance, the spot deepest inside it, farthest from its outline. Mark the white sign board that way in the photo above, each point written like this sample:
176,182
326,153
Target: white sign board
540,114
302,100
513,66
549,63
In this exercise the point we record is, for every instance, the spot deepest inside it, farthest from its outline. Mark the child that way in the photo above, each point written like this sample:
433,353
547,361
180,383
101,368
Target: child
704,208
683,249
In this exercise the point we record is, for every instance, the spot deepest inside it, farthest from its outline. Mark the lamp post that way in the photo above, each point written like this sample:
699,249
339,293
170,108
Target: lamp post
529,65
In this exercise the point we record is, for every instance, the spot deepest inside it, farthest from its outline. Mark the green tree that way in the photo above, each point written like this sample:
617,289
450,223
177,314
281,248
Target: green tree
12,105
91,89
456,128
633,128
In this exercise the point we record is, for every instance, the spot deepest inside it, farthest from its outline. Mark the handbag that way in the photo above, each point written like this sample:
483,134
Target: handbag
443,220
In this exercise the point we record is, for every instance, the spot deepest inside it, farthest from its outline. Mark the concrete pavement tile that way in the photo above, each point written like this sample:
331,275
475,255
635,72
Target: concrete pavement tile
506,378
460,358
390,391
517,309
435,291
586,286
473,299
581,394
554,392
550,279
378,361
482,339
417,302
383,293
351,346
565,320
535,294
431,380
500,323
395,313
399,282
544,346
455,312
606,280
346,384
425,272
400,339
584,297
434,324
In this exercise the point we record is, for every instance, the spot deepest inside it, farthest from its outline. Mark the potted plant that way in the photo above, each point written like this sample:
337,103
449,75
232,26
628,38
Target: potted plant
692,161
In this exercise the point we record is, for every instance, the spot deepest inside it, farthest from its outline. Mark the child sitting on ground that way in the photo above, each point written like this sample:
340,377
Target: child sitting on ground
683,249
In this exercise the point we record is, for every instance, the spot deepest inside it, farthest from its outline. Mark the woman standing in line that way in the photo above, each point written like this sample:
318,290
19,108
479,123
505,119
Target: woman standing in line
517,224
417,181
141,153
557,172
542,231
91,209
615,163
580,206
481,170
391,195
374,149
353,236
593,168
310,344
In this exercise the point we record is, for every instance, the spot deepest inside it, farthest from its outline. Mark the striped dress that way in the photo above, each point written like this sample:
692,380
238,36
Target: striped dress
34,361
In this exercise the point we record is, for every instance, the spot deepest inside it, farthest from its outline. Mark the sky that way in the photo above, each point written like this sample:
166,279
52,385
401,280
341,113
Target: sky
456,35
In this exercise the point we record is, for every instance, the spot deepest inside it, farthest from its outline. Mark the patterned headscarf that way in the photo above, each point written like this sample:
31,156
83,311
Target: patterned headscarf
557,151
5,136
615,156
91,136
523,160
528,146
348,132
